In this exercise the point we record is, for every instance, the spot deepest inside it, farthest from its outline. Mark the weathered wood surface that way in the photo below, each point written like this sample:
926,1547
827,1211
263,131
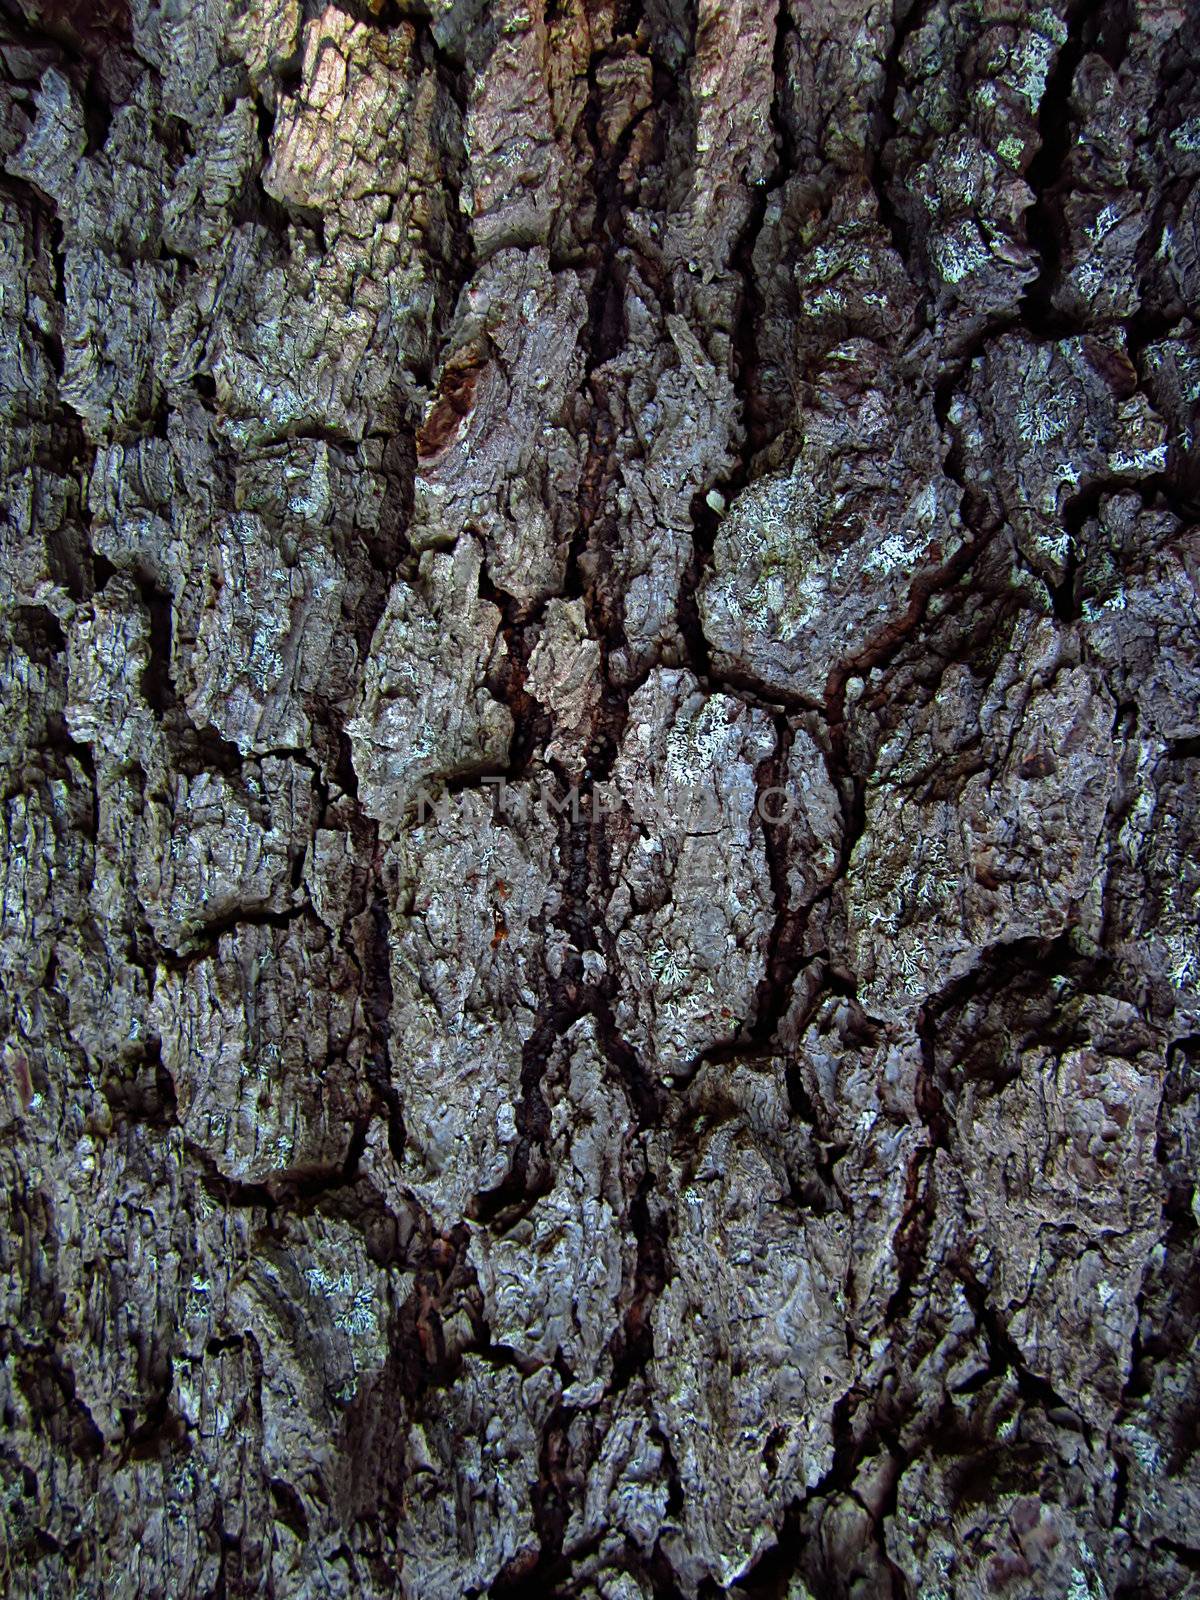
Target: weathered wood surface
740,410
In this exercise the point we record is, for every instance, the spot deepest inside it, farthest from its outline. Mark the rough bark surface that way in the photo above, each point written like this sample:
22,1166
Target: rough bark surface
777,418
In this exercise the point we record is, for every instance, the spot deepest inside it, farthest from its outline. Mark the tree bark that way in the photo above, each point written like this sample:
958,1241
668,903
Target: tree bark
600,981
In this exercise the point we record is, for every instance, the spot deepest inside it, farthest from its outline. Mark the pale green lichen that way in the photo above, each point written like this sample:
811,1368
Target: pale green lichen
1010,150
1153,459
1189,366
196,1300
669,971
777,519
1084,1586
1103,223
893,553
1145,1451
279,1151
1091,278
1184,967
1055,547
1041,420
959,253
1035,55
693,741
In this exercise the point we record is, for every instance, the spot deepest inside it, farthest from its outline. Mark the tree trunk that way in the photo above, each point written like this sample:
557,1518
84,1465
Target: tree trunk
601,705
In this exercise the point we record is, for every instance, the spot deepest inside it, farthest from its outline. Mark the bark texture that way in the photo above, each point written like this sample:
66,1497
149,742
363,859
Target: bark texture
739,409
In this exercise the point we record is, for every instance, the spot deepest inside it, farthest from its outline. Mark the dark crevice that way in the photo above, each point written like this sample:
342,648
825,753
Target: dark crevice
1188,1556
158,686
512,1199
910,1241
785,947
289,1508
230,1191
256,206
907,16
536,1573
48,1385
206,938
633,1344
531,723
37,633
589,574
1046,173
86,30
203,749
1036,1390
145,1094
375,965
